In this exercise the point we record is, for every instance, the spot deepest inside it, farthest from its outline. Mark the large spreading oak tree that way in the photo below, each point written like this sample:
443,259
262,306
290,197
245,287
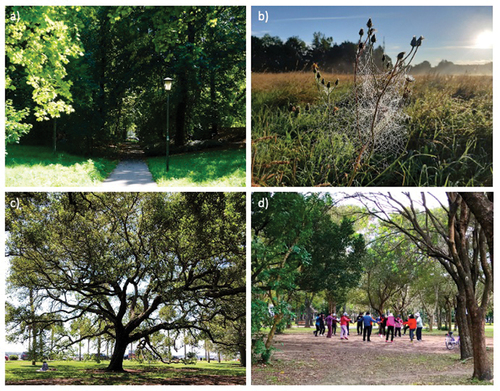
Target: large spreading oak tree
123,259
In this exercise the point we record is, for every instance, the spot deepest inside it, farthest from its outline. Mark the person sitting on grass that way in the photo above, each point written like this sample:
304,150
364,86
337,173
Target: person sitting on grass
45,367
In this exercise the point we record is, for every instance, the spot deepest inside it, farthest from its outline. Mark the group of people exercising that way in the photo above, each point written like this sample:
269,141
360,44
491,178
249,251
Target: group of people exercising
389,325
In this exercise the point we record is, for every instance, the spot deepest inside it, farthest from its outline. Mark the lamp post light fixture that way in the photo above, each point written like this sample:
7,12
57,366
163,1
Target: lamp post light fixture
167,83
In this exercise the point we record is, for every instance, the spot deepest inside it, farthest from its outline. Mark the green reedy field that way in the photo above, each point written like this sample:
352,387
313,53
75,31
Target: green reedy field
448,142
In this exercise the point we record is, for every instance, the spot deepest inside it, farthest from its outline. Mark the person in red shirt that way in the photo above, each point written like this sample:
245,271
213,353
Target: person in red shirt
344,321
412,325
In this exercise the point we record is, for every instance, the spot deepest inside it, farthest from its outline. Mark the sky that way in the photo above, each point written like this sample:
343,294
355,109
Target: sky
462,35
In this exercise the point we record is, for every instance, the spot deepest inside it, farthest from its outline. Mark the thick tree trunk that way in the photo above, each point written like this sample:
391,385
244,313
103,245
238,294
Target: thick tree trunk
243,355
183,88
309,314
463,328
116,363
482,365
431,321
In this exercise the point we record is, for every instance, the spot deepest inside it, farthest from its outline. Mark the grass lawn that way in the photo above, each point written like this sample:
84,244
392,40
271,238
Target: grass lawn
27,166
91,373
211,168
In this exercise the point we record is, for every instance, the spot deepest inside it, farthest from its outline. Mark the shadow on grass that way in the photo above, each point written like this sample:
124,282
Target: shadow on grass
212,168
38,166
90,373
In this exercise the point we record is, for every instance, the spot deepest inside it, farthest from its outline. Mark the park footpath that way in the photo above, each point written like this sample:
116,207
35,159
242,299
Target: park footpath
129,173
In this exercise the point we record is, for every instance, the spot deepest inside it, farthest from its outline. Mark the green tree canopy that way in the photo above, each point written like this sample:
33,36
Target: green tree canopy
120,258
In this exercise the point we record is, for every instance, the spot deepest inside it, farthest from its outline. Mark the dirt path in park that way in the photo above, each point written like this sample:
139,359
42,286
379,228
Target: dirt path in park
305,359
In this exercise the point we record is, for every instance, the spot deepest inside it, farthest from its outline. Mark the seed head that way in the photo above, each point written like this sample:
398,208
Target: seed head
374,39
413,42
361,46
328,85
419,41
318,75
308,107
369,24
336,82
361,32
323,81
401,55
383,57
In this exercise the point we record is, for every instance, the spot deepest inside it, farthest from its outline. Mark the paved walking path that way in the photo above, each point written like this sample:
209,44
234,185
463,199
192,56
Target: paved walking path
130,173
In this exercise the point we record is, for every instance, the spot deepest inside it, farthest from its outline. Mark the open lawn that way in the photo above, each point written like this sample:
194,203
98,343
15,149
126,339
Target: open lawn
91,373
211,168
301,358
28,166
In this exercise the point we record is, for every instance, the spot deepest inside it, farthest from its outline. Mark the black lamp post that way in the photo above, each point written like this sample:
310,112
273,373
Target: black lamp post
167,82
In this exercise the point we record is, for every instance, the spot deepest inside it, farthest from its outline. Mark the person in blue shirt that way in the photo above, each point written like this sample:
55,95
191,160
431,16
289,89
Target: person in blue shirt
318,327
367,323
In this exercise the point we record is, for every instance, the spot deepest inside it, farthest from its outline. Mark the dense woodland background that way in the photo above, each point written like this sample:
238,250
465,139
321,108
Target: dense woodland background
99,72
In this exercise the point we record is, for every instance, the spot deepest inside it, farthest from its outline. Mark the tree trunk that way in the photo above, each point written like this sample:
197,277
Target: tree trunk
183,88
243,354
54,137
482,366
214,119
116,363
309,314
270,336
463,328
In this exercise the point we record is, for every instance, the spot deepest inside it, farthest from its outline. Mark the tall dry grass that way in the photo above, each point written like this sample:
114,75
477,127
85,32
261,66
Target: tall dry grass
450,125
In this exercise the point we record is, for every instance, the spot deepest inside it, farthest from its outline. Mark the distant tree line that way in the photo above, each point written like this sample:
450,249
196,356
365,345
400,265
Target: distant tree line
272,54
